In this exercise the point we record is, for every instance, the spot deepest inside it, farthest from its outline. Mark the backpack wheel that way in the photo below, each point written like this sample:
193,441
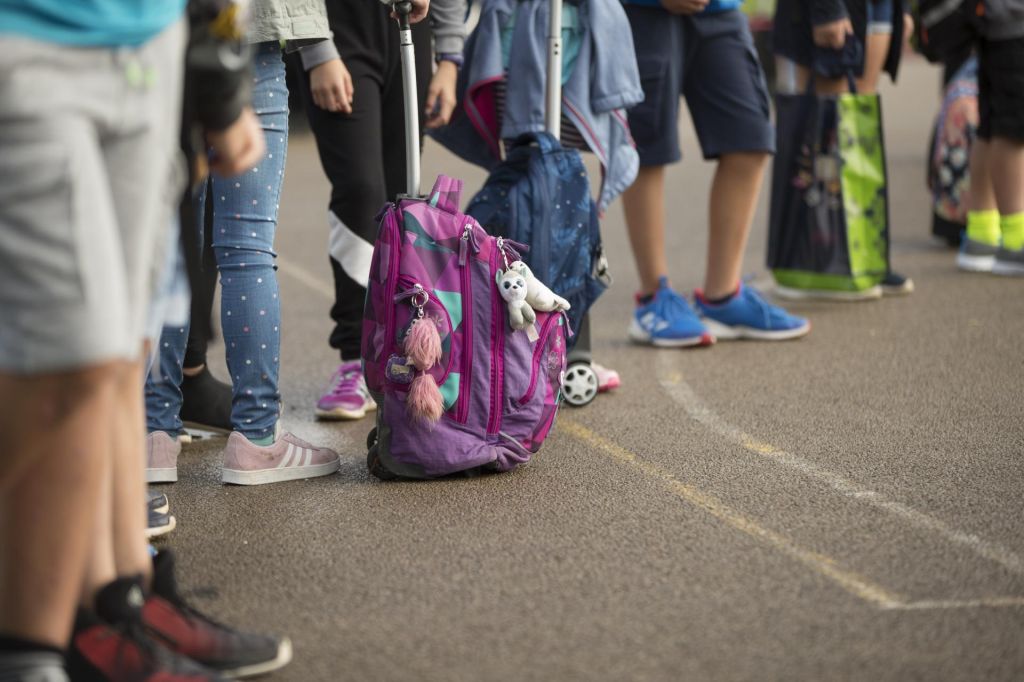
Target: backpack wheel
579,386
371,438
376,467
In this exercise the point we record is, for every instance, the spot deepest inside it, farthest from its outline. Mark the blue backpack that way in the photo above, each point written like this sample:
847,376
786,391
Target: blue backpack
540,196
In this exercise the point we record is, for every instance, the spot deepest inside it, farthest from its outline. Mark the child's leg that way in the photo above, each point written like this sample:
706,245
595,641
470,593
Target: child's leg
728,99
1006,164
245,221
55,437
644,205
734,193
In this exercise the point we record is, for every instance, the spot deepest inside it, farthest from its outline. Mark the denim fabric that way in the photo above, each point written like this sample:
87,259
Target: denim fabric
169,319
244,223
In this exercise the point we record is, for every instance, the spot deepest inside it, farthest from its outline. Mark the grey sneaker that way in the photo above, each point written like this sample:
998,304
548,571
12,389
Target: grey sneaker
157,501
162,458
976,256
158,524
1009,263
288,459
32,666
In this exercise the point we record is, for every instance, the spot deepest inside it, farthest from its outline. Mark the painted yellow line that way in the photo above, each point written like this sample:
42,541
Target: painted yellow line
823,565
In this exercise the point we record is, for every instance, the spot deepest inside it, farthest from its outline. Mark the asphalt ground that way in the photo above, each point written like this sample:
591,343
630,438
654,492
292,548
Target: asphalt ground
846,506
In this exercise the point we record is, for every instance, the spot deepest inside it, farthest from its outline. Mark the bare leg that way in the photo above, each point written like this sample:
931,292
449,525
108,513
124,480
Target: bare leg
734,193
644,205
1006,168
119,549
56,436
874,61
983,196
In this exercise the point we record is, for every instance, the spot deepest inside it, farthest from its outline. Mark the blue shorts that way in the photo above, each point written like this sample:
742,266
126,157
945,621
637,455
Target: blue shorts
879,16
711,61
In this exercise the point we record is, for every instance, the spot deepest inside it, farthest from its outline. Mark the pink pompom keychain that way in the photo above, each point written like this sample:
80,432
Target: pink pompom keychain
423,349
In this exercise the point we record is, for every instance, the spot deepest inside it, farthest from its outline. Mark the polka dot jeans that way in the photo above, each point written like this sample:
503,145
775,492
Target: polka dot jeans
244,223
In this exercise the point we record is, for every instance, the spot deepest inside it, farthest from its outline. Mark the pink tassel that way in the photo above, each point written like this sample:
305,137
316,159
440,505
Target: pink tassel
424,402
423,344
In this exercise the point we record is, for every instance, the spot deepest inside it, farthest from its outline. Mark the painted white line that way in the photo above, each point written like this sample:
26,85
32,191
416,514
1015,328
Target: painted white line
981,603
855,584
303,276
673,383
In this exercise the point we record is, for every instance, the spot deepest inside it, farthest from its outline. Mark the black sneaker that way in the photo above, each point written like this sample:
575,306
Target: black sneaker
157,501
183,629
206,403
112,645
896,284
158,524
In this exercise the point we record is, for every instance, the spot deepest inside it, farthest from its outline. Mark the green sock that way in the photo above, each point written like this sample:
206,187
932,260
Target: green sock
983,227
1012,227
263,442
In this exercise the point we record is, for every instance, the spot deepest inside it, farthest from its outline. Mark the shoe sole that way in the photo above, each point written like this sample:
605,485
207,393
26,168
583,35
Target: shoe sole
261,476
284,657
341,414
162,475
1005,269
975,263
638,335
205,427
869,294
903,290
727,333
151,533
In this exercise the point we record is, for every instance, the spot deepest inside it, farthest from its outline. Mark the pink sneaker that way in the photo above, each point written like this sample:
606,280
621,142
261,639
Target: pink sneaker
607,379
347,396
162,458
288,459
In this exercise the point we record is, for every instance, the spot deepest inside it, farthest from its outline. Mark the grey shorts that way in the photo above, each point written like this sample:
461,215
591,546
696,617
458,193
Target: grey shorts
711,61
89,168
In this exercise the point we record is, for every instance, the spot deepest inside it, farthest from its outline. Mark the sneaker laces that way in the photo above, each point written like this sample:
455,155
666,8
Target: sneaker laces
669,305
347,379
766,308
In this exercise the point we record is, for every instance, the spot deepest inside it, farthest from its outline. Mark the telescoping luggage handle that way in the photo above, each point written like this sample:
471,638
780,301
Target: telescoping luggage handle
402,9
553,93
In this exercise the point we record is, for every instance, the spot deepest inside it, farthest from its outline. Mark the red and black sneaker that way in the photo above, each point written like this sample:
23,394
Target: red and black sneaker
122,652
183,629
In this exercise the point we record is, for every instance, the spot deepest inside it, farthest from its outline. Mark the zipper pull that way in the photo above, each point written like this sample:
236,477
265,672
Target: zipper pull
468,239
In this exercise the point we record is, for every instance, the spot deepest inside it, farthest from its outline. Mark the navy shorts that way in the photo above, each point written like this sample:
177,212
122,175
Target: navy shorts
711,61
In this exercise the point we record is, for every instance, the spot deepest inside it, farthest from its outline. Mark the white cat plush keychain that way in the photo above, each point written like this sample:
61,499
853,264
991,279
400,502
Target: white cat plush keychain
513,288
537,293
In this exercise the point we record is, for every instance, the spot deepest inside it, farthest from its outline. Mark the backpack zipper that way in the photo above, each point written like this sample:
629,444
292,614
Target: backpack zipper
497,344
467,241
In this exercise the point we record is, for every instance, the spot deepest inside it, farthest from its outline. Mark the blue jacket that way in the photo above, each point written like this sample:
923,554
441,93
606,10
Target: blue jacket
714,6
603,83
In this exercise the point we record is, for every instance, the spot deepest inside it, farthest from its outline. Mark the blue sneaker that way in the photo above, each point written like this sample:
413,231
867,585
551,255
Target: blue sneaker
748,316
668,320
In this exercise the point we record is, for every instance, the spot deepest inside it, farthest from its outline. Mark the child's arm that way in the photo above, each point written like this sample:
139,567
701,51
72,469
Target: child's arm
447,19
329,80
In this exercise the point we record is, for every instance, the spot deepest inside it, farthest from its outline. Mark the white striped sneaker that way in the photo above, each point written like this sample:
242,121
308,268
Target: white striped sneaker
289,458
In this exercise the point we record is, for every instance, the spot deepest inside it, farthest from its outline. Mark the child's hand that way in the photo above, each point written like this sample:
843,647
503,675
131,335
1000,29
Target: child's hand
418,13
833,34
684,6
908,26
441,95
332,88
238,147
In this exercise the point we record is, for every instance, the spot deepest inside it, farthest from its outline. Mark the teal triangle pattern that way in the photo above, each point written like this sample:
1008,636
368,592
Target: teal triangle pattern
452,302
